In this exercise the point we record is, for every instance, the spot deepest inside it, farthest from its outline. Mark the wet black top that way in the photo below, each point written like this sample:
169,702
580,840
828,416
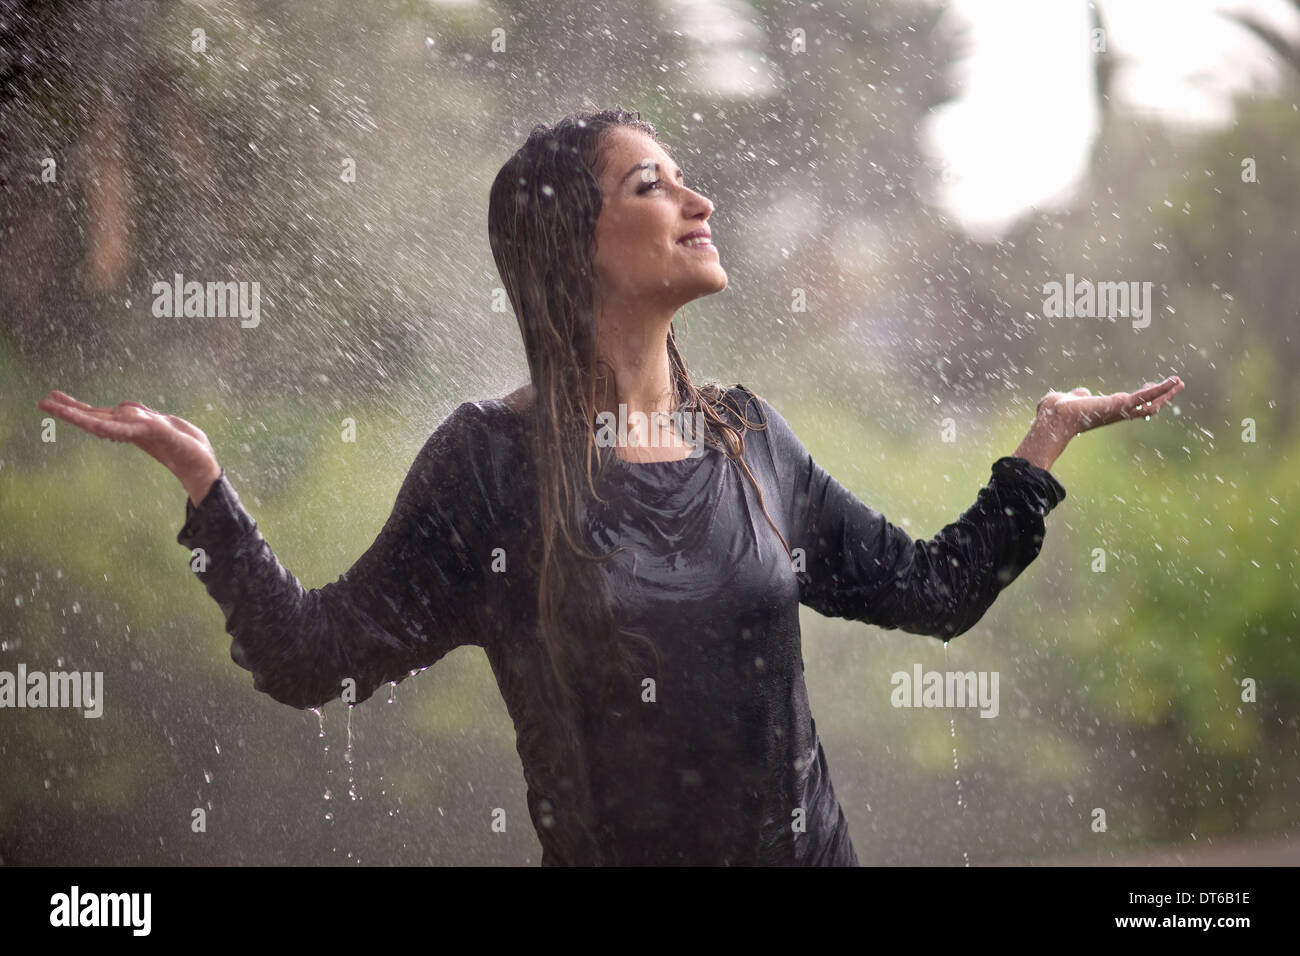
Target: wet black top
724,766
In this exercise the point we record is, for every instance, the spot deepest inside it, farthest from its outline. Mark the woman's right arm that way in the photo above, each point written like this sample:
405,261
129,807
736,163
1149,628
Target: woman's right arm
413,596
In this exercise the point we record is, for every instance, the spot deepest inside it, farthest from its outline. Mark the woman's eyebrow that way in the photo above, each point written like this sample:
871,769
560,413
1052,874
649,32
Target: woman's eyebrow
644,164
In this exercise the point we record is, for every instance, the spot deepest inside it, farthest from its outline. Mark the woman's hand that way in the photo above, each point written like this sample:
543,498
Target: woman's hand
181,447
1078,410
1062,415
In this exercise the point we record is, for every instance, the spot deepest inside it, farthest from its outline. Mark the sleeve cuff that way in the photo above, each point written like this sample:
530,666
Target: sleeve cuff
219,516
1040,479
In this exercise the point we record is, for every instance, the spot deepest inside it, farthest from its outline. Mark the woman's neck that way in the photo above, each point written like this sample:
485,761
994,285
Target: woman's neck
632,365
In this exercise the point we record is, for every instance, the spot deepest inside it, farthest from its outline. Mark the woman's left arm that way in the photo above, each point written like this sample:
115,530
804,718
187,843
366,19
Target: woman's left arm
857,565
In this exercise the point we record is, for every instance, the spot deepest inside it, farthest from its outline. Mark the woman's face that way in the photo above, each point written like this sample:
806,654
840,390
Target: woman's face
646,211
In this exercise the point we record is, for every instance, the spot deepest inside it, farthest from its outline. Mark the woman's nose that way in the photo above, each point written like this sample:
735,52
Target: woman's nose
700,202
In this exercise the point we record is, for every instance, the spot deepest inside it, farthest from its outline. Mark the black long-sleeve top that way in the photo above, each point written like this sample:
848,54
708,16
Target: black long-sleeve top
724,765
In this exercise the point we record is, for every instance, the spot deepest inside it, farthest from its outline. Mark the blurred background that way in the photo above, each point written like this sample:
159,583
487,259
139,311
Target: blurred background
895,183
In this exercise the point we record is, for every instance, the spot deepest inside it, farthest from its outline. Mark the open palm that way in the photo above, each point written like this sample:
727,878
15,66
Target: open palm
1078,410
182,447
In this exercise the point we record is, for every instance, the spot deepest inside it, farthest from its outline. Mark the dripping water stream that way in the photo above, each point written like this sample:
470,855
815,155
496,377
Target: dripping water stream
956,775
349,761
383,789
320,718
347,758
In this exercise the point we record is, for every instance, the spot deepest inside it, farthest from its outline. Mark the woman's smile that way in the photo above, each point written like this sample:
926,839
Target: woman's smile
698,239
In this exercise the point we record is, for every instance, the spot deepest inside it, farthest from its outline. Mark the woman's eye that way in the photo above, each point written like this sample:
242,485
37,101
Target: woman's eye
650,185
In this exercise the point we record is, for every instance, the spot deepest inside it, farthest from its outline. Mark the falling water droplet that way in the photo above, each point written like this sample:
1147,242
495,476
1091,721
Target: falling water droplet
392,686
953,724
320,717
347,758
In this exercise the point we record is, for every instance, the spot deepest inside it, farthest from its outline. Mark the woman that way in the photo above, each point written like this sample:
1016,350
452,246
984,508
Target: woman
634,579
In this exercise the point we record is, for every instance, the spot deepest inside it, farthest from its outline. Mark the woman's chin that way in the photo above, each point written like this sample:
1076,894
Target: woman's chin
702,284
717,282
702,290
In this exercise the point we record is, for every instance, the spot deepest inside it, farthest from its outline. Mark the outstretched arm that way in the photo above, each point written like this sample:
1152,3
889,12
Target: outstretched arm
408,600
412,597
862,567
858,565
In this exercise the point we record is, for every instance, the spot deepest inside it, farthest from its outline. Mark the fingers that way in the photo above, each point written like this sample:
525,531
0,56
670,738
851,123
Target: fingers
99,427
55,397
69,400
1131,406
1150,391
1152,397
57,402
93,420
75,412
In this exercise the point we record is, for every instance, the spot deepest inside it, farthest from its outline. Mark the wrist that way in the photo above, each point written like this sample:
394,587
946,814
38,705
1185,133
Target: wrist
1043,444
199,483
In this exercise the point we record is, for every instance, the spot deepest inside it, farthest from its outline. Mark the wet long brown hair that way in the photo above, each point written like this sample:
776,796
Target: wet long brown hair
542,215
